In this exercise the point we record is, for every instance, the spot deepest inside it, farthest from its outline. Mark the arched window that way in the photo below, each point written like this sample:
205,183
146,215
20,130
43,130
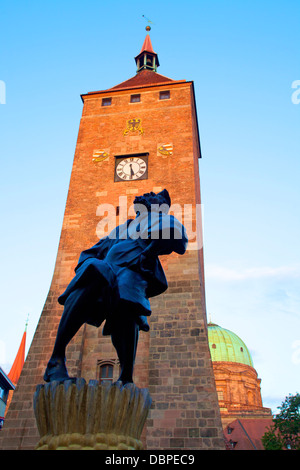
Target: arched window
106,373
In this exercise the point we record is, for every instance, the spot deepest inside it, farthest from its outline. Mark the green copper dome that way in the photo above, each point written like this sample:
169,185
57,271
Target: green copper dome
226,346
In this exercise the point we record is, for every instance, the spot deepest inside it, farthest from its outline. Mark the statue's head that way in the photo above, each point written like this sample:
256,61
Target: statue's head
162,200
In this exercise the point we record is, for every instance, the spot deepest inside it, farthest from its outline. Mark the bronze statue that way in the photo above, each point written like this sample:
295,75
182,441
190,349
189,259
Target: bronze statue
114,281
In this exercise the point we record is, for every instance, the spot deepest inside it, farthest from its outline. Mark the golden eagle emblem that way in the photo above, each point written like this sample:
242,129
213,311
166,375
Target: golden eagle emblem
134,125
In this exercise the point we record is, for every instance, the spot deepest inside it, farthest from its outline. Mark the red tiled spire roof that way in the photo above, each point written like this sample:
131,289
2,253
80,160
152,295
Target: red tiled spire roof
17,366
147,46
147,58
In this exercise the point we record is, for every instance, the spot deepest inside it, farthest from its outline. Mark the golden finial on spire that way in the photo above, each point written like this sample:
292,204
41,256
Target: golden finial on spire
26,324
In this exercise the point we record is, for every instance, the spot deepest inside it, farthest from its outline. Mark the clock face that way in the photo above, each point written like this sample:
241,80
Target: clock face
131,168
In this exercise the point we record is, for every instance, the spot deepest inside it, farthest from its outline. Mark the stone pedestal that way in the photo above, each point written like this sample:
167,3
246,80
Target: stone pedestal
76,415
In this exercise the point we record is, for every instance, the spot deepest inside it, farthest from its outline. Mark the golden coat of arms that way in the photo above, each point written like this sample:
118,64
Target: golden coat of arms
166,150
134,125
99,156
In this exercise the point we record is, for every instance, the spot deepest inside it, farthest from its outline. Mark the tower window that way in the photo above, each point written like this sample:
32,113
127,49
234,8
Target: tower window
164,95
213,346
232,444
229,430
106,101
135,98
149,60
106,373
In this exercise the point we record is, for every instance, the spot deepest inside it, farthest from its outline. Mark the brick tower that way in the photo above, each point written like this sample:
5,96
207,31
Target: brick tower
149,120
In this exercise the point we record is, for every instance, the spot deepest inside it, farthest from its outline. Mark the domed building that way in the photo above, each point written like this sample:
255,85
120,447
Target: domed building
238,387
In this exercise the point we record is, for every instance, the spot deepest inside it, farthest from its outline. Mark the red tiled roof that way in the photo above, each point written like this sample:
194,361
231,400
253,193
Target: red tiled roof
142,79
145,77
247,433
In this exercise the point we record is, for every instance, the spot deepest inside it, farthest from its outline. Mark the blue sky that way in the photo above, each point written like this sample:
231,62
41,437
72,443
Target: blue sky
243,57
